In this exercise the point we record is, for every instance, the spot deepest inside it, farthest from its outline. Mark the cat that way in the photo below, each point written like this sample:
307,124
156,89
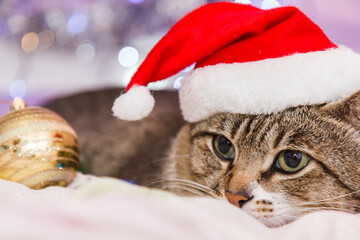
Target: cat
276,167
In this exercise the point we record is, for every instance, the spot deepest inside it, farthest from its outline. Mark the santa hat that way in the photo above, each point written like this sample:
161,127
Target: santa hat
248,61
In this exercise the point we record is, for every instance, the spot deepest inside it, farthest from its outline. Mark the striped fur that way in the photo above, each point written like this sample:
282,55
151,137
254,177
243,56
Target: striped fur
328,133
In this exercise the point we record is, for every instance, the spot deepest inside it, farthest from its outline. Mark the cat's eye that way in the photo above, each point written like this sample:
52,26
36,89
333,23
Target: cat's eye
291,161
223,148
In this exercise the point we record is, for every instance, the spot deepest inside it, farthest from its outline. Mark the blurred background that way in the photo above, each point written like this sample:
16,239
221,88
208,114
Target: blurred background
53,48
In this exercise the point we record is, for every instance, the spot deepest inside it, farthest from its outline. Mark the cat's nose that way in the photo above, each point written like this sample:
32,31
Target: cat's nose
237,199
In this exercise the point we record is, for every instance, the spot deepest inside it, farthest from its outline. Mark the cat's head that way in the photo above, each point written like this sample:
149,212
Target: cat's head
276,167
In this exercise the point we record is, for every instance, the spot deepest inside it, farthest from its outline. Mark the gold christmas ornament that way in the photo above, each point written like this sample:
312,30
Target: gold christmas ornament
38,148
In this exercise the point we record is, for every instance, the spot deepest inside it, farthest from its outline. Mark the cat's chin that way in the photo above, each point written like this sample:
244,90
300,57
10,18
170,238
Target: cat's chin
275,221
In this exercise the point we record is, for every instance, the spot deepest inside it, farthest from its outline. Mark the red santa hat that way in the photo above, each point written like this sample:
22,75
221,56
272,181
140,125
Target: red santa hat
248,60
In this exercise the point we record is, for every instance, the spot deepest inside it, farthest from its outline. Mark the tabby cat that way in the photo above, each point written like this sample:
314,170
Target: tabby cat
276,167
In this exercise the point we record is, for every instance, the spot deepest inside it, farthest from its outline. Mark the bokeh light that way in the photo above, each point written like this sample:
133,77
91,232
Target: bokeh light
16,23
103,16
55,19
85,53
46,39
176,9
128,56
269,4
62,37
18,88
243,1
136,1
30,42
77,23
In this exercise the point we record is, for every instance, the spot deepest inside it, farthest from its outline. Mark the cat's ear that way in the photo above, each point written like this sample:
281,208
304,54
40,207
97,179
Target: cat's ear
347,109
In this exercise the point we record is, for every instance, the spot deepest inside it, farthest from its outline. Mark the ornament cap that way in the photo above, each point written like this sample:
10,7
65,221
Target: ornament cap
135,104
17,104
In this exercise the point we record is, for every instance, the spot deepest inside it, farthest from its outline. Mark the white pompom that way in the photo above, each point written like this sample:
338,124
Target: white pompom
270,4
135,104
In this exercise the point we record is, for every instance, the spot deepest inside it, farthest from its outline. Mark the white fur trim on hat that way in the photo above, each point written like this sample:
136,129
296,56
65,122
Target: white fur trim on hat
135,104
271,85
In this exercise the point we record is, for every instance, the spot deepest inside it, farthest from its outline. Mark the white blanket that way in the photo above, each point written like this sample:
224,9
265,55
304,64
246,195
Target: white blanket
104,208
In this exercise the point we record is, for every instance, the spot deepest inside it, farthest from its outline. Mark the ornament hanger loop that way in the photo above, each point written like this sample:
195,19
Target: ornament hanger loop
18,104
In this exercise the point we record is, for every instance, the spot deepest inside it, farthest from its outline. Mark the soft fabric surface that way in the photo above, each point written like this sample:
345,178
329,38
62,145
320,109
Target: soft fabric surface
104,208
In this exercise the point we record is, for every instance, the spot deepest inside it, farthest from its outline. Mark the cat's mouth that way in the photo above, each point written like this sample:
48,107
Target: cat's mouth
270,214
269,208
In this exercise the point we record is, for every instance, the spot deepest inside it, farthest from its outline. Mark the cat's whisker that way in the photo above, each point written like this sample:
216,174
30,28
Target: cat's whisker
336,209
318,203
188,183
210,194
289,216
180,180
180,156
340,196
175,157
195,183
313,209
279,219
193,191
163,159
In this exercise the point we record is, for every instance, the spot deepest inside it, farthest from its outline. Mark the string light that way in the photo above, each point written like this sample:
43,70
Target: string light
18,88
16,23
77,23
30,42
46,39
85,53
62,37
103,16
128,56
55,19
176,9
136,1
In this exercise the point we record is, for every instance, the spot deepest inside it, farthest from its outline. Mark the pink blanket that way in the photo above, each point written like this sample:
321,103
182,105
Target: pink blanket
103,208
